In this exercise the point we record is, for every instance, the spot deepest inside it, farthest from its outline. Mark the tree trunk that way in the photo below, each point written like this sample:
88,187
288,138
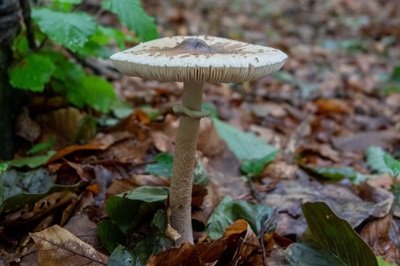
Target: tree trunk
9,27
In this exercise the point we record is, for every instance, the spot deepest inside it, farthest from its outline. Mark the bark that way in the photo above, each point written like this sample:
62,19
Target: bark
9,27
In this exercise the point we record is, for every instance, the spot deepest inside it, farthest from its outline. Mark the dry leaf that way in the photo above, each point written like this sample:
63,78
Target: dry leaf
360,141
129,183
100,142
41,208
237,247
27,128
162,142
377,235
64,122
57,246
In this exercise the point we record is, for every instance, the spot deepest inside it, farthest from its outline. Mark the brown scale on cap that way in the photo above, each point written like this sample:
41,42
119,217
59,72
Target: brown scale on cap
193,45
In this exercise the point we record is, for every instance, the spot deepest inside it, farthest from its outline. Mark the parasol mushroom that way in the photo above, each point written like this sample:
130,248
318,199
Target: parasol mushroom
194,61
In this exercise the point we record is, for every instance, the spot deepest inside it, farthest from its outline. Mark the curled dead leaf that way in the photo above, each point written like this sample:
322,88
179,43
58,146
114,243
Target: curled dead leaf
41,207
162,142
57,246
378,233
238,246
101,142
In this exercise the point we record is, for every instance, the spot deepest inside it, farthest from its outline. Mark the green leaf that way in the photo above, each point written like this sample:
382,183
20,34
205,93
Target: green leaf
72,30
33,161
393,164
98,93
42,146
246,146
121,109
147,194
211,108
20,45
256,167
68,80
94,49
334,173
98,44
110,235
382,162
382,262
393,82
395,76
298,254
120,257
151,112
229,210
163,165
32,73
73,2
200,175
3,167
154,242
375,159
140,202
336,236
131,14
81,89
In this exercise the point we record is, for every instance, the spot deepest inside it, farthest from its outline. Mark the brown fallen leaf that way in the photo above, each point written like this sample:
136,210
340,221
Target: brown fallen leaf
249,246
129,183
162,142
280,169
57,246
209,142
27,128
238,246
83,228
288,195
377,235
198,195
63,122
211,200
225,173
137,124
383,181
41,208
129,150
101,142
360,141
332,106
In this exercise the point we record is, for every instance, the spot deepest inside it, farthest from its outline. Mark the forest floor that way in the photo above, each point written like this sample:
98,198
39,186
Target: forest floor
337,96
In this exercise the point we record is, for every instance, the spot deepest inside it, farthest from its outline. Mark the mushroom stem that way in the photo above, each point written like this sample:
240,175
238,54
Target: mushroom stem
184,163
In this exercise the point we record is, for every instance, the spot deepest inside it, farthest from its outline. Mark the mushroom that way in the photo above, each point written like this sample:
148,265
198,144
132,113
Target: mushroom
194,61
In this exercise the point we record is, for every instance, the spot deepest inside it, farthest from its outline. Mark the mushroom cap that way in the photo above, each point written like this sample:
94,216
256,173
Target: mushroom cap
198,59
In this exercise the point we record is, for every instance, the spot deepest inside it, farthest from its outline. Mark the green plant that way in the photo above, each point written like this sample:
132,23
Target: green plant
55,55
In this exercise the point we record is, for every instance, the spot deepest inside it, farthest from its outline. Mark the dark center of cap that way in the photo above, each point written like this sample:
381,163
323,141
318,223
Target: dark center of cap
194,45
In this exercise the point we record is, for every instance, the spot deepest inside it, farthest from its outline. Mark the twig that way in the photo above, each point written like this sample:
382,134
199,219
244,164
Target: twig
267,224
96,66
26,13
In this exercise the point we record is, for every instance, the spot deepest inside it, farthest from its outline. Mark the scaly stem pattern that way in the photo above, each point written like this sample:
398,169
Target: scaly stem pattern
184,163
